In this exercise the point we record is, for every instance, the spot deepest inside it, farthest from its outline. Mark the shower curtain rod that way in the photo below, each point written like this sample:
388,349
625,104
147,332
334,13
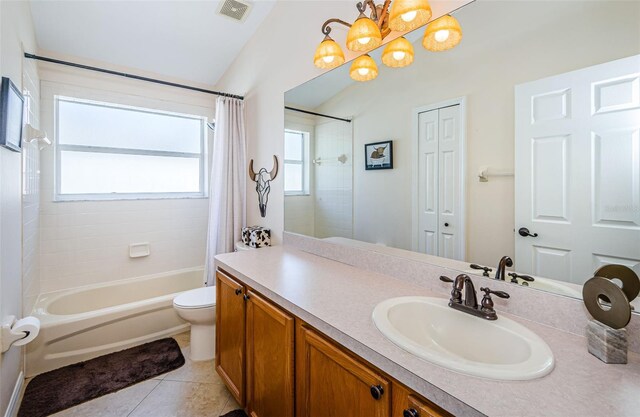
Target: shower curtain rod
317,114
132,76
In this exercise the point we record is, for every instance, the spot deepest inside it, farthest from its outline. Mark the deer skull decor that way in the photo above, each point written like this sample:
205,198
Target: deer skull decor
263,180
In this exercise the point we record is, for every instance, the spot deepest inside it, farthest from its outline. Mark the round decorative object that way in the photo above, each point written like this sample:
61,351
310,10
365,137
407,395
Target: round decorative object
630,281
606,302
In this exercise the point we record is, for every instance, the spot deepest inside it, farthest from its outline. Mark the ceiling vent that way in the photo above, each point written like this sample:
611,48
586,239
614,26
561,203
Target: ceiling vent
235,9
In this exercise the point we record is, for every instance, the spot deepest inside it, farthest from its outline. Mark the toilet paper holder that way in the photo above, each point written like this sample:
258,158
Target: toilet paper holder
12,337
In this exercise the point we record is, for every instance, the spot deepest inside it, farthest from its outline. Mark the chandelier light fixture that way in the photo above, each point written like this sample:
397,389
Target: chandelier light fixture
363,68
368,32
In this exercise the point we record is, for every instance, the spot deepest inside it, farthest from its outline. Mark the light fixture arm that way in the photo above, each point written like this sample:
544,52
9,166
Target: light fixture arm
362,7
384,13
326,29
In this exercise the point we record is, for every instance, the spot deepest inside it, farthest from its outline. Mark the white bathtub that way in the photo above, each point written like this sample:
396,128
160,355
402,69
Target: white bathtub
87,322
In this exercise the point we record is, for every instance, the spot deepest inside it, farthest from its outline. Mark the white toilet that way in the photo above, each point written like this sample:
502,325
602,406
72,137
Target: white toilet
198,307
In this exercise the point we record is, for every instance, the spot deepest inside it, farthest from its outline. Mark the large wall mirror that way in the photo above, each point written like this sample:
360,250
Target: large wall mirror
522,141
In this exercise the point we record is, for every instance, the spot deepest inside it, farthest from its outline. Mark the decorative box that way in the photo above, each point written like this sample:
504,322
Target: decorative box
256,236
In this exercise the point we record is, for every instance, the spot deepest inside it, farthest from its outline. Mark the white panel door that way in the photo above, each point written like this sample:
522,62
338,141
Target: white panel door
428,173
439,183
449,203
578,171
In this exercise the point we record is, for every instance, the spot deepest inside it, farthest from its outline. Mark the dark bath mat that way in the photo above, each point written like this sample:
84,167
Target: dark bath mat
71,385
235,413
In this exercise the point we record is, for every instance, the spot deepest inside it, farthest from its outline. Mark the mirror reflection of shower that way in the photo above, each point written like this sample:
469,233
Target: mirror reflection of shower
318,152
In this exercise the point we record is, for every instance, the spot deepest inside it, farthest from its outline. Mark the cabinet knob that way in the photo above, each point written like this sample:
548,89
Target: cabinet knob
377,391
238,291
410,412
246,297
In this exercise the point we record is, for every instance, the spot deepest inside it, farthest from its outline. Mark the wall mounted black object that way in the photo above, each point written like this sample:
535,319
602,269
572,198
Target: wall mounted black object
11,115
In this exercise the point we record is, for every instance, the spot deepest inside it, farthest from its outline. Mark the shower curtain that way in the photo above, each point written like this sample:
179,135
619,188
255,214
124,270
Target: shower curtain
227,192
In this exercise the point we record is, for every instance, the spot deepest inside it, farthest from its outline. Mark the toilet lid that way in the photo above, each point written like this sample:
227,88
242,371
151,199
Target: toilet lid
198,298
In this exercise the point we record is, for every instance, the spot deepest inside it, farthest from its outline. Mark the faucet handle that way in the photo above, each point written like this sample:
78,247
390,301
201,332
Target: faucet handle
489,291
445,279
514,277
487,302
486,269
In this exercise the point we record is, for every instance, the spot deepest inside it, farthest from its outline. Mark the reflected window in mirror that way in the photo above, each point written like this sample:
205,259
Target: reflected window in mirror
296,162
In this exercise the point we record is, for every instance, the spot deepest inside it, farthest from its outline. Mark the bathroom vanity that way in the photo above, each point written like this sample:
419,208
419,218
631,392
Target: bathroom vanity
258,364
295,336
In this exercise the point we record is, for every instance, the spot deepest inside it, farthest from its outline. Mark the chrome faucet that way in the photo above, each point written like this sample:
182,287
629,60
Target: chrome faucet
505,262
470,303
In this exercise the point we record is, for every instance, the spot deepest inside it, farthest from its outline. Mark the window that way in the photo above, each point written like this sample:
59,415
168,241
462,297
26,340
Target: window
108,151
296,162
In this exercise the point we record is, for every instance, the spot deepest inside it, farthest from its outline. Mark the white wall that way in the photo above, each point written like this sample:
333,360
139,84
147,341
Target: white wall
84,243
16,33
485,67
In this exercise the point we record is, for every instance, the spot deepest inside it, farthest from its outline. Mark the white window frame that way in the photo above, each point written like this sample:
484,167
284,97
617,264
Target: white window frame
59,148
304,163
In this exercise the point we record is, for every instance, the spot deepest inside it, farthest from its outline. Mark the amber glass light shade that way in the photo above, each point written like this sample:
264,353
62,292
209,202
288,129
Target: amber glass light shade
363,68
328,54
442,34
408,14
398,53
364,35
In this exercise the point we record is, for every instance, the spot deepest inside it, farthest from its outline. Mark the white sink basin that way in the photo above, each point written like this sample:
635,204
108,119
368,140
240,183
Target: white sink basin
430,329
544,284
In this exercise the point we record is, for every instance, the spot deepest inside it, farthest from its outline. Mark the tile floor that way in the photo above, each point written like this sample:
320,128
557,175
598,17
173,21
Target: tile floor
193,390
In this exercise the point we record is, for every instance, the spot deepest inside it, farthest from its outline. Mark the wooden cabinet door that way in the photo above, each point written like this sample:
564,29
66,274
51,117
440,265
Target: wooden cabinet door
270,356
330,383
407,404
230,334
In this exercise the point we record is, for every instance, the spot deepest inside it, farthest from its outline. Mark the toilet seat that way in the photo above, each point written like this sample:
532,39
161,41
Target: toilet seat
198,298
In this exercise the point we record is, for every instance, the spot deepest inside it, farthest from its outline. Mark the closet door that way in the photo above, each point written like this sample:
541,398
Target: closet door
428,174
440,183
450,244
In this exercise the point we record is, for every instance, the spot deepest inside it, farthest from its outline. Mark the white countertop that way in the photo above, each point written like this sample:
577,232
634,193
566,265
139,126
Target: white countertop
339,299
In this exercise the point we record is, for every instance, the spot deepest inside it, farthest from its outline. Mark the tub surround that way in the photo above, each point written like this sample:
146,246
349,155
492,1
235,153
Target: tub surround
338,299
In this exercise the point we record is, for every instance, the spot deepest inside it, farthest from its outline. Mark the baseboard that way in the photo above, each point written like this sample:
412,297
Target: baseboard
14,402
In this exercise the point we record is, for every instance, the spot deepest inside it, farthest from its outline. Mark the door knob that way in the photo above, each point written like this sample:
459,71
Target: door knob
410,412
377,391
524,232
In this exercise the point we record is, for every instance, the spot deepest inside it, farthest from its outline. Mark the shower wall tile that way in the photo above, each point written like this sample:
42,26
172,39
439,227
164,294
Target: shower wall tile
87,242
30,191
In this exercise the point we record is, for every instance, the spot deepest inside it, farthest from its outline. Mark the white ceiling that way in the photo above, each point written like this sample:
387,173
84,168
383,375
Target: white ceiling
181,39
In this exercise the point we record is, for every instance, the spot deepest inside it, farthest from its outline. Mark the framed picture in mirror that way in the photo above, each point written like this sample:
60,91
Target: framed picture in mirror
378,155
